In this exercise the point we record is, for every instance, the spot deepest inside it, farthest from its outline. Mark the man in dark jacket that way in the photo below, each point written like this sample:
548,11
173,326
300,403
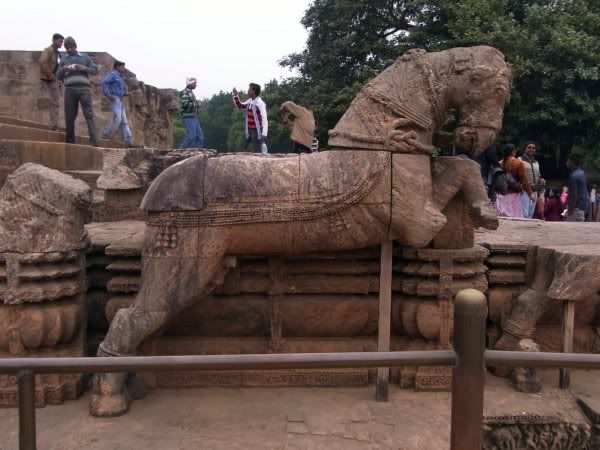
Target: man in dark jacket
577,202
49,61
74,70
194,137
113,87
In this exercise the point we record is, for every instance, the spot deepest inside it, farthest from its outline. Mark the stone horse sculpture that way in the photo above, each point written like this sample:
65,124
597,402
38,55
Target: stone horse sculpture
375,186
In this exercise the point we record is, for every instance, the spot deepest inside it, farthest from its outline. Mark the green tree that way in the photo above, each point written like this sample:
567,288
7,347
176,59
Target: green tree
552,45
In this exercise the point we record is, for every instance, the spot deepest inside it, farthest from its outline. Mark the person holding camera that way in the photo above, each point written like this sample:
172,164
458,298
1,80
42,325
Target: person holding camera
74,70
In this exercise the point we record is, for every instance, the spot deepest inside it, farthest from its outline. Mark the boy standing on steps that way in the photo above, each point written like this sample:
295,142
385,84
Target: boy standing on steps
49,62
113,87
74,70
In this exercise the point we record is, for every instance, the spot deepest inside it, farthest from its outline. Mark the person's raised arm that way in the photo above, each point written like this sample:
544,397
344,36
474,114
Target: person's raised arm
237,102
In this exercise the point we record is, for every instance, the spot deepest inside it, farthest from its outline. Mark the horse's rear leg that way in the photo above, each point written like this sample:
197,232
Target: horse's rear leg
170,284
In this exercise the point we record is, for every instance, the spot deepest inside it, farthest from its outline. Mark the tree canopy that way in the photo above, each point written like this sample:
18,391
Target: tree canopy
553,46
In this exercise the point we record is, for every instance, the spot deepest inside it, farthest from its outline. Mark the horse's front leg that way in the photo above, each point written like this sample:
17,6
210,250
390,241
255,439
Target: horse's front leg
452,175
175,274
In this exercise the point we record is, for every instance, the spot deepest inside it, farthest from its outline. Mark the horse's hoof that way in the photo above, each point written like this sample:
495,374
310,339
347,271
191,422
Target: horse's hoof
108,405
484,216
508,343
109,396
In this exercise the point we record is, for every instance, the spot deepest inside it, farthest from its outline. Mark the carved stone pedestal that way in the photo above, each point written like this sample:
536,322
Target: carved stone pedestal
42,276
426,281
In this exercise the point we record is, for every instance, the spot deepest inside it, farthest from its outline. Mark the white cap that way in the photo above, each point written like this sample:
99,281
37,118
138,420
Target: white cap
190,80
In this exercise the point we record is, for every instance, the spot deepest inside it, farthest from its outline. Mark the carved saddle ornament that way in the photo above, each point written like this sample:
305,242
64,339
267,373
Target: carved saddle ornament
247,188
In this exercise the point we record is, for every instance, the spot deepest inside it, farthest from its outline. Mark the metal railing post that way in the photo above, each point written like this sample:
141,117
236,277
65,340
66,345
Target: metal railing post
468,376
26,381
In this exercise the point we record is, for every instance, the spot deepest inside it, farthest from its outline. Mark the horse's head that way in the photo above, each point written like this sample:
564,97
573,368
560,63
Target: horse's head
478,90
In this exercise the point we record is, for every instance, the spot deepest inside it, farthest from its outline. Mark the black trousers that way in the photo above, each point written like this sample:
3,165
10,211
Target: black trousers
301,148
73,97
254,139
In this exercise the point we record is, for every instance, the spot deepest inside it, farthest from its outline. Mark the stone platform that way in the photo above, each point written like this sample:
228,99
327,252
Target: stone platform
300,418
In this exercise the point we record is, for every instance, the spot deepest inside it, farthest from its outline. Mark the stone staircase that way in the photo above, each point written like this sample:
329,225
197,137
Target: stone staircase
23,130
23,141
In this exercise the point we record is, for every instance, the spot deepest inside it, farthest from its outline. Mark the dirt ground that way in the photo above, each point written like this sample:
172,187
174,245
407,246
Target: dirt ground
284,418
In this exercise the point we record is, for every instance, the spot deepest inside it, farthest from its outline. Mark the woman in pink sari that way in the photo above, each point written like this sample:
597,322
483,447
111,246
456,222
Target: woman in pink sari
509,205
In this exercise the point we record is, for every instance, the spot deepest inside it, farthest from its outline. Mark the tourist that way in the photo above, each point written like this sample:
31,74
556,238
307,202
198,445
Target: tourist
194,137
539,205
301,123
257,125
49,62
509,205
564,195
552,206
593,204
315,144
577,203
75,69
537,183
113,87
494,178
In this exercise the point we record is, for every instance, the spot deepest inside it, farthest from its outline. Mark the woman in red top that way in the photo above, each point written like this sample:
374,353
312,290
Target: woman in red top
552,207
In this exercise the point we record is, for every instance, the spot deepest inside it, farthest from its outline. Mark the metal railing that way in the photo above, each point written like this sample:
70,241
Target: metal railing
468,359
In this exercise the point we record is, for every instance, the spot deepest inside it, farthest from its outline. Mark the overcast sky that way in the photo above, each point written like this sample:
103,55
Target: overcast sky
224,43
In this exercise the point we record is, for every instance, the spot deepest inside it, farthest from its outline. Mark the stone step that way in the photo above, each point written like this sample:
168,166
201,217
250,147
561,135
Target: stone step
509,260
28,133
56,155
25,123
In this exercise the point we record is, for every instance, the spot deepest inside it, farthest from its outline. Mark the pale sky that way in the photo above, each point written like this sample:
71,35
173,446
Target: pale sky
224,43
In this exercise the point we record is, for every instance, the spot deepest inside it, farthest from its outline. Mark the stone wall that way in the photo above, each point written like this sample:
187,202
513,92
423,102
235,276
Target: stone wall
149,109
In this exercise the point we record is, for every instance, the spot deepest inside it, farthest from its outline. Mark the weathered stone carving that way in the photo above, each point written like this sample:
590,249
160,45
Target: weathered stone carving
401,108
522,432
428,281
557,275
42,274
204,208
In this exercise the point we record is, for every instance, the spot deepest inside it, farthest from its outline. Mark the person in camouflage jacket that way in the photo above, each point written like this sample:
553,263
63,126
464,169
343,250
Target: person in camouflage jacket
194,137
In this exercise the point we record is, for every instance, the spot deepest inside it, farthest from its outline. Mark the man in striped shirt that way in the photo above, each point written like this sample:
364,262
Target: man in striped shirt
257,125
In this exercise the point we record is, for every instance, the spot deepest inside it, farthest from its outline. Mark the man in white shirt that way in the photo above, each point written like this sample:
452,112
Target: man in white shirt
257,125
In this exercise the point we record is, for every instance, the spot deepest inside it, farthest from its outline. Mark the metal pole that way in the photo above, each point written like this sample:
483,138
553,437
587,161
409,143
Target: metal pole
26,380
470,312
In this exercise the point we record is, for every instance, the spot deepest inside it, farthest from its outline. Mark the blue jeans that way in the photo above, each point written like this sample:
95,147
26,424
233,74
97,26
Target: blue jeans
119,120
527,205
194,138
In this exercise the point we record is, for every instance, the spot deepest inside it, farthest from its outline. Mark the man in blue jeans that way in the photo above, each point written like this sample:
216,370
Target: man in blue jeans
113,87
194,138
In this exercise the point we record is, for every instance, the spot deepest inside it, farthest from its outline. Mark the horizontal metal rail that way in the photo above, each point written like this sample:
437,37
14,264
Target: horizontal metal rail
292,361
467,360
230,362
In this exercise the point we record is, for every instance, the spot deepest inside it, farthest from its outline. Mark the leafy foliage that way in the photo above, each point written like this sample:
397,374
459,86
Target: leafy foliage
553,46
